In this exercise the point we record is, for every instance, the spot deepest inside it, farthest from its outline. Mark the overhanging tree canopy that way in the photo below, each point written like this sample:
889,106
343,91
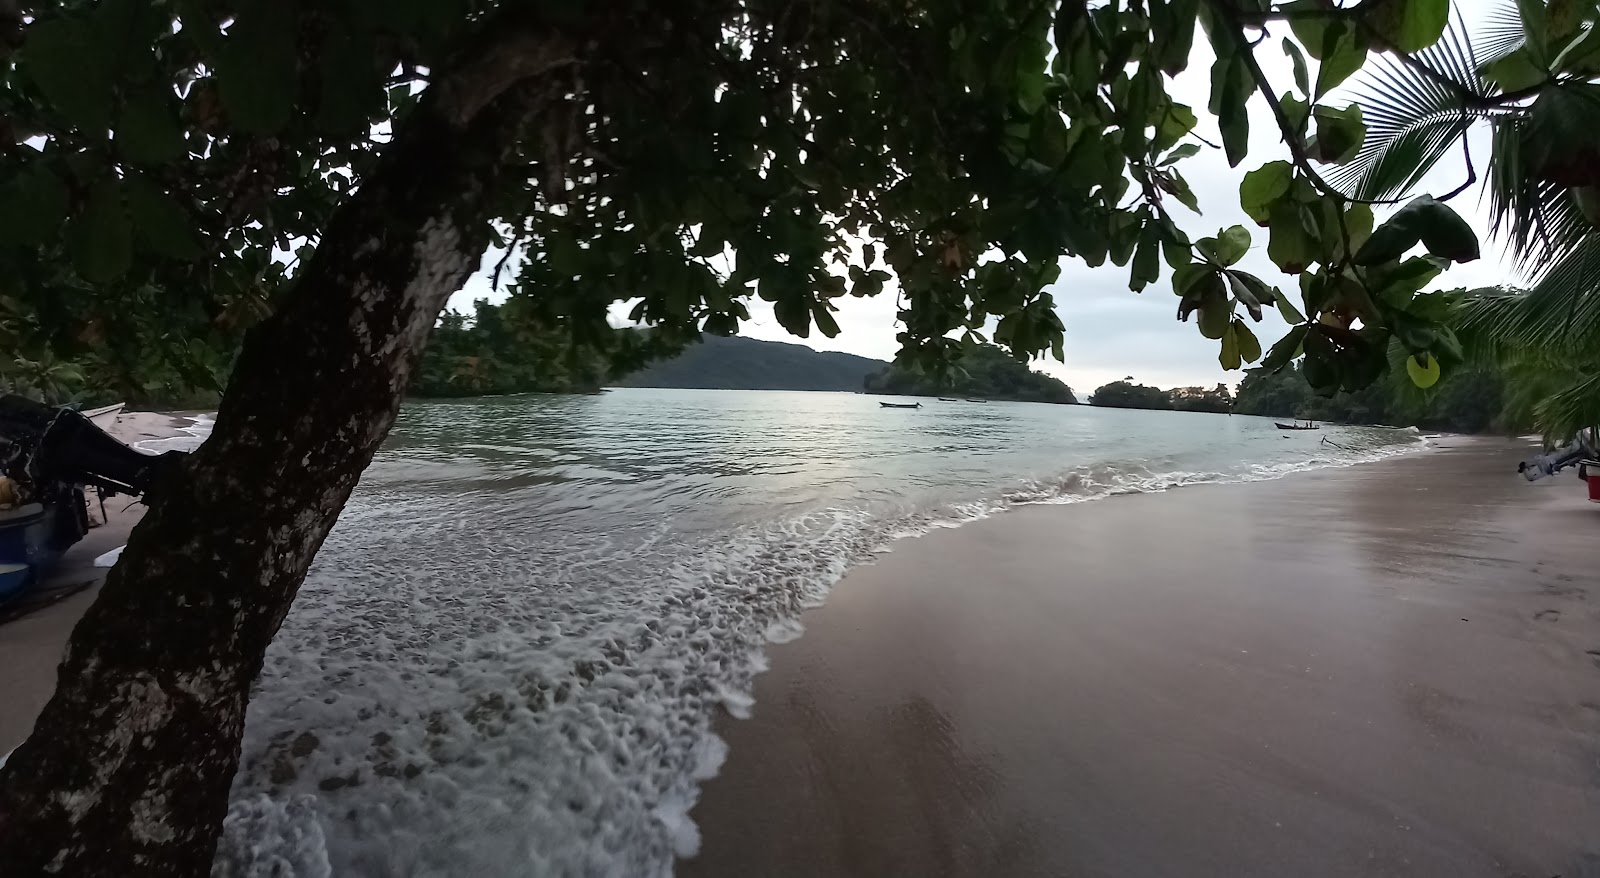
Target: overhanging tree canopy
329,173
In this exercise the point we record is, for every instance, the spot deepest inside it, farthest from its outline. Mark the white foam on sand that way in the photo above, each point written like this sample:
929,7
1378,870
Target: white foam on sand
446,699
194,433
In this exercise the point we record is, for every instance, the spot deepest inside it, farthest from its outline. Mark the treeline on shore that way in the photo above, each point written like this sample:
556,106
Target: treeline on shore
1469,401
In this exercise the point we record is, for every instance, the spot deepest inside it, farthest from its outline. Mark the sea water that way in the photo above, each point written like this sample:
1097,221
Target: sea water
508,655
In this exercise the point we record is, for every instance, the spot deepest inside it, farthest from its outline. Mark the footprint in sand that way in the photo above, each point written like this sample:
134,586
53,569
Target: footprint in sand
1547,615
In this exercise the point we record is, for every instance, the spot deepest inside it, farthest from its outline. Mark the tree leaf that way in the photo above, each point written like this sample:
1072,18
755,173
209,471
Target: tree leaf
162,223
351,90
1261,187
1301,79
1344,51
256,73
1232,244
1515,71
32,206
1249,345
148,131
1176,121
100,237
1146,261
1230,358
1288,311
1286,349
1432,223
1358,222
794,314
1339,133
1407,25
1425,373
1289,246
1183,151
1310,30
65,58
824,320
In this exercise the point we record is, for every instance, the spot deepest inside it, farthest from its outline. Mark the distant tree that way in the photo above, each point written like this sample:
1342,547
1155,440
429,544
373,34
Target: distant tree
1199,399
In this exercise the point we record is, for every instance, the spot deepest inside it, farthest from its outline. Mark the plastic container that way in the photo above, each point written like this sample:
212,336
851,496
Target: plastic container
14,578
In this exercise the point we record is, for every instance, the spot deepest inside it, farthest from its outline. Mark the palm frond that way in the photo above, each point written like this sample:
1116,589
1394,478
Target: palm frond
1415,114
1557,320
1571,408
1539,220
1500,33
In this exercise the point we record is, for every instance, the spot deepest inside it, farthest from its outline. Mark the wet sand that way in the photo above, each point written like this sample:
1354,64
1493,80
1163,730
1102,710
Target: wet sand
33,638
1391,669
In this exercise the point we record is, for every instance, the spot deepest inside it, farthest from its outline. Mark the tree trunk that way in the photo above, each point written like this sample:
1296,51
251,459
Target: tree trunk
128,769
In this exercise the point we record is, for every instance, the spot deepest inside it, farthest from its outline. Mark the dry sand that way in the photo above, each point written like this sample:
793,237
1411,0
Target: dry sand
31,643
1391,669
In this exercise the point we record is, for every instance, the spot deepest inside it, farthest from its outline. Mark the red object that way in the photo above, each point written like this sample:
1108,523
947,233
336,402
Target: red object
1594,487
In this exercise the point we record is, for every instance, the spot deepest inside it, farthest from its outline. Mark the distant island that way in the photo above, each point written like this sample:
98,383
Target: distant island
736,363
1127,395
985,372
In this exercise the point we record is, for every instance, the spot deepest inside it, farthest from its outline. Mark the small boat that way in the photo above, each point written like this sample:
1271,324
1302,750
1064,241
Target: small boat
105,417
1308,425
948,399
901,405
970,399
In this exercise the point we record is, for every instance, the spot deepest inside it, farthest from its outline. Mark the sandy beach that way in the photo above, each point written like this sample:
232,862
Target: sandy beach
33,637
1388,669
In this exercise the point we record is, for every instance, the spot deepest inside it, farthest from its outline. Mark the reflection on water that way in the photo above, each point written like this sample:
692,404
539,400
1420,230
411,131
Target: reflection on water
507,655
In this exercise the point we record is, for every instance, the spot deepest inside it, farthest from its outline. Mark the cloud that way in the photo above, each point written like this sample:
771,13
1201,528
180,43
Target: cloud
1112,332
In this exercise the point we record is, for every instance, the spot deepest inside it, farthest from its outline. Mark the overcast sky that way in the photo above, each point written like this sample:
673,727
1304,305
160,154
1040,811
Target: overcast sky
1111,332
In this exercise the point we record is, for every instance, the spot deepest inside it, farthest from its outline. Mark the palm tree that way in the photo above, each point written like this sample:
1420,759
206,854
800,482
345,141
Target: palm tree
1529,76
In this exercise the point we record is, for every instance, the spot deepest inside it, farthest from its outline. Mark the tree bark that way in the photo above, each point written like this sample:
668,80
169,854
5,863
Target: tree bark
128,768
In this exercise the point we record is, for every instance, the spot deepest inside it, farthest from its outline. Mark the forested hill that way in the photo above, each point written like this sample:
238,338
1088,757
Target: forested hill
985,372
736,363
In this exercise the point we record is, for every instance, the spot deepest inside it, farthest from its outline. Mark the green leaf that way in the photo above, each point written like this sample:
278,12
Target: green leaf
1309,29
351,90
1343,53
824,320
1230,356
1358,222
1296,111
1288,311
1231,87
1515,71
1232,244
32,206
1289,246
794,314
1423,369
1183,151
1214,312
1261,187
162,223
1182,192
66,59
1175,122
1186,279
1249,345
1146,261
1301,80
1286,349
256,74
1432,223
149,131
1339,133
100,237
1407,25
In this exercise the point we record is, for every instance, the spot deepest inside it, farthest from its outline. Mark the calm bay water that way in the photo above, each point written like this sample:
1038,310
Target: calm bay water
507,656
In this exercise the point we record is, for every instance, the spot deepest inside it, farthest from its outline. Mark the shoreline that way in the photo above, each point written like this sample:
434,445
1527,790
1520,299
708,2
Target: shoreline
31,643
1225,704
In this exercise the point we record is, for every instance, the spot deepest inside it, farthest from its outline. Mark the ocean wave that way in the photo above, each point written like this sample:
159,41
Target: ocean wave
450,698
